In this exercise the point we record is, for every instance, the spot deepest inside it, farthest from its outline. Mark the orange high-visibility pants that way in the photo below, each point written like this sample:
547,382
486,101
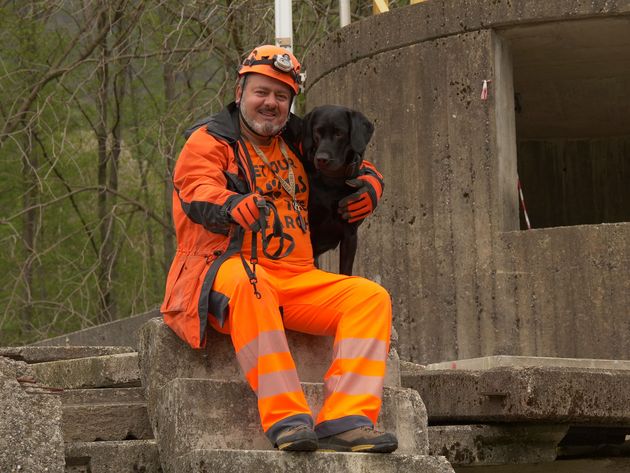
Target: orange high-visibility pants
356,311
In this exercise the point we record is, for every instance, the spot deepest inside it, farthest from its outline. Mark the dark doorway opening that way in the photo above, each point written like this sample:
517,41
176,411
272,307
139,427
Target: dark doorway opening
572,104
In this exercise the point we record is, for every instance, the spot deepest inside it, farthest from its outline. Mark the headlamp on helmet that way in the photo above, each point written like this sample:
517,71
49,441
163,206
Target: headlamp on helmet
282,63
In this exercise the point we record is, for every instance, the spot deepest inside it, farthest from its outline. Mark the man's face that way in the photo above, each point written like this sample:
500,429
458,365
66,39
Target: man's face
264,104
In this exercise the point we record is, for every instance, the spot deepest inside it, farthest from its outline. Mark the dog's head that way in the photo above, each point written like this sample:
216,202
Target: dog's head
335,138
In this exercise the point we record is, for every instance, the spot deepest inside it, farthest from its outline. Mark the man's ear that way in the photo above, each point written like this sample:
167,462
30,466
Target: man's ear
238,90
238,93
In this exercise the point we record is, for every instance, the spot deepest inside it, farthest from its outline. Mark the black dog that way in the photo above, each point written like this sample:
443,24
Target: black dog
334,139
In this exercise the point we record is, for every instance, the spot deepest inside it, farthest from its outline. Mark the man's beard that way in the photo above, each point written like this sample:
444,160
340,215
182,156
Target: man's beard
262,127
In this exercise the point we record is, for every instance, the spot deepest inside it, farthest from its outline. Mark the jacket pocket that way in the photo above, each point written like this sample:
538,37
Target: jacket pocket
182,283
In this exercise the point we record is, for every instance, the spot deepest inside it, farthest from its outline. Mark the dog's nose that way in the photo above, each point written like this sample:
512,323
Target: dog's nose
322,160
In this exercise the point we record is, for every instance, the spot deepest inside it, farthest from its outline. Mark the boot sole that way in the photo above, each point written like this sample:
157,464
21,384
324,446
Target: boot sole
303,445
364,448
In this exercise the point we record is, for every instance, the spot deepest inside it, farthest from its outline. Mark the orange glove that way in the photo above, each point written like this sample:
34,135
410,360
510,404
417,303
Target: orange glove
361,203
245,212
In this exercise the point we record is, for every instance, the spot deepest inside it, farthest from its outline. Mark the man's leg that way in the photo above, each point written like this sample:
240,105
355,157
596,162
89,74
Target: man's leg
358,313
255,326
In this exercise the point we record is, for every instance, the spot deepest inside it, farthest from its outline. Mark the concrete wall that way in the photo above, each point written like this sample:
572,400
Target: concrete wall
444,241
568,291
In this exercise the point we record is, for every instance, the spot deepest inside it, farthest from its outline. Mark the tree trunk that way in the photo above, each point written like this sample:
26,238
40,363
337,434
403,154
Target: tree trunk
168,73
30,225
104,207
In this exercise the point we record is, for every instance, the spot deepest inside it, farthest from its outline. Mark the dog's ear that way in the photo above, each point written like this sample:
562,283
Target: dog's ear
307,135
361,130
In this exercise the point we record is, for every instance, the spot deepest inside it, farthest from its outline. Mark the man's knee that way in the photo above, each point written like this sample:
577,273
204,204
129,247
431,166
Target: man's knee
375,291
373,298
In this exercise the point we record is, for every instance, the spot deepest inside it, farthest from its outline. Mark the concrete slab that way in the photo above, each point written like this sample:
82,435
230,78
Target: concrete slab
196,414
41,354
551,395
587,465
488,362
496,444
112,457
102,396
163,357
106,422
408,367
30,424
92,372
257,461
121,332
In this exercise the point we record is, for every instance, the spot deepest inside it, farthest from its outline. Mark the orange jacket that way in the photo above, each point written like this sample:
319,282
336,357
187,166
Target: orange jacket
213,167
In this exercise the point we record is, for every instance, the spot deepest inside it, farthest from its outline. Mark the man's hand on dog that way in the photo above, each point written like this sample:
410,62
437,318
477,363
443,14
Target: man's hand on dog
361,203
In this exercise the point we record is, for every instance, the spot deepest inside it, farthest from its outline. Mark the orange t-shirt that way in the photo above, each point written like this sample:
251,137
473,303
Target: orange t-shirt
269,186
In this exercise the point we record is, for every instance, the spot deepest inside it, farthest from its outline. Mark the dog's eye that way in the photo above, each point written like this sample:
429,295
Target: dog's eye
338,134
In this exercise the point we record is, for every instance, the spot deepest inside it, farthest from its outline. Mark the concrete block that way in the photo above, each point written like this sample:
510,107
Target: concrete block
551,395
496,444
257,461
41,354
196,414
488,362
30,424
163,357
586,465
113,457
92,372
121,332
118,421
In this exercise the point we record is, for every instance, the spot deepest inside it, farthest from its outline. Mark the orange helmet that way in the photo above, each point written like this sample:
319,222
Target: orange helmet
275,62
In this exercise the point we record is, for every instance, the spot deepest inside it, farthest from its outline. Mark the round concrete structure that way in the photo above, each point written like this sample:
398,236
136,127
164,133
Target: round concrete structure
446,241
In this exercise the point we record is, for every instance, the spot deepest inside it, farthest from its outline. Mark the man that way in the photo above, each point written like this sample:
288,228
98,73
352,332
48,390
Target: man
244,265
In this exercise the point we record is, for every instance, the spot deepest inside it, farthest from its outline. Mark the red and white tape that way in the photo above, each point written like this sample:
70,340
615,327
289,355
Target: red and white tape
522,199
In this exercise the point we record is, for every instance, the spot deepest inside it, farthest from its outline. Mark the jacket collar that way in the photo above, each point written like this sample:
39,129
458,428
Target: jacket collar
225,124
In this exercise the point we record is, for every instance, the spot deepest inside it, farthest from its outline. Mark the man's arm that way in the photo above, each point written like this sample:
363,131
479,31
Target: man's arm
360,204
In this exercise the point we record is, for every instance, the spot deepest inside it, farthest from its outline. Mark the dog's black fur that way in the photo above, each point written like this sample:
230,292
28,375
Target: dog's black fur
334,140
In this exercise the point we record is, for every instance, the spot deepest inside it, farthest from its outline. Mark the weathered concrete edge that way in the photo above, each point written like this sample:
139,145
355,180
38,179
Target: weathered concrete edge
119,456
441,21
509,395
492,444
270,460
42,354
93,372
121,332
489,362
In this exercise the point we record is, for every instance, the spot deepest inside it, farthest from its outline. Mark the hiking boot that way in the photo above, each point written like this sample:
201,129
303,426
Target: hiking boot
361,439
300,438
